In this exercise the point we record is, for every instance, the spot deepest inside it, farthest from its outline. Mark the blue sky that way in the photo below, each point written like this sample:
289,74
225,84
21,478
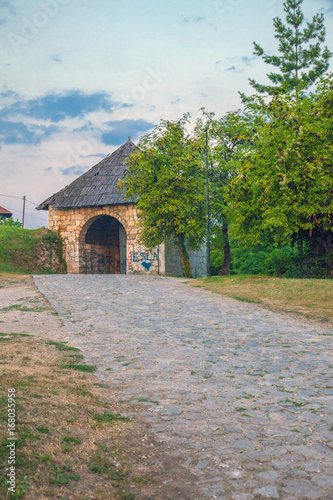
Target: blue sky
78,78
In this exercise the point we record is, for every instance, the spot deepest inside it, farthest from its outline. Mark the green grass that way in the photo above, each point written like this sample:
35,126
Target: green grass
14,335
102,466
105,418
312,298
71,440
20,249
61,346
20,307
43,430
81,368
17,249
60,475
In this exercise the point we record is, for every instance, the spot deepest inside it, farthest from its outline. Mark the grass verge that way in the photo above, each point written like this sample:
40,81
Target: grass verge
310,298
68,439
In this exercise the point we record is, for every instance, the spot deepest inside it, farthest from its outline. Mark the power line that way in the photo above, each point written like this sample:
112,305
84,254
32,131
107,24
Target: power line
17,198
8,196
30,215
32,202
34,216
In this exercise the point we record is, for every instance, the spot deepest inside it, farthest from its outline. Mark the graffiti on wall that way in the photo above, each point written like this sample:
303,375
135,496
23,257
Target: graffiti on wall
141,259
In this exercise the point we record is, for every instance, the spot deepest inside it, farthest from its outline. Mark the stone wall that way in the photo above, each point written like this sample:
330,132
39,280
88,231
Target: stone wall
87,252
74,225
48,254
198,262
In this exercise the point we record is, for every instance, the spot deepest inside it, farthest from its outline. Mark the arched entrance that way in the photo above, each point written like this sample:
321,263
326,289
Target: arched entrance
103,243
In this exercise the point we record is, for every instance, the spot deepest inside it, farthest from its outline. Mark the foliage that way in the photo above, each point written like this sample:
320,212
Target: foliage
265,259
54,240
283,189
10,222
229,139
217,255
166,173
301,60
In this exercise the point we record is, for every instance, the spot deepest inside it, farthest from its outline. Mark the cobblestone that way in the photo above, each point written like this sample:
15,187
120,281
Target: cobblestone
241,394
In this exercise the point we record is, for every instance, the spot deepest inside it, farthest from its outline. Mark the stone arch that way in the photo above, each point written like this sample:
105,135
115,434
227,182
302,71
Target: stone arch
102,245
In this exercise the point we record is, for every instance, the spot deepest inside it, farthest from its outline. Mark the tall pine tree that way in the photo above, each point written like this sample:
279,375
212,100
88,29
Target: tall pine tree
301,59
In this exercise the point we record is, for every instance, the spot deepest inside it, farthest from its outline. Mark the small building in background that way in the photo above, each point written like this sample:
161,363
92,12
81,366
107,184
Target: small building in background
99,226
4,213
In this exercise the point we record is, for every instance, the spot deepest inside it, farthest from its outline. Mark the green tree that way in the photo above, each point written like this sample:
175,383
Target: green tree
301,59
283,188
10,222
166,173
229,138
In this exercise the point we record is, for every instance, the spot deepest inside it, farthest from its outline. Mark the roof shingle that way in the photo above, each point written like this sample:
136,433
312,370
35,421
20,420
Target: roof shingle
97,186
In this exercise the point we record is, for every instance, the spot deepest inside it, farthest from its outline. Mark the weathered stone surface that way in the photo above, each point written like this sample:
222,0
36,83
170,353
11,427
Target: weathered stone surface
106,258
267,492
214,367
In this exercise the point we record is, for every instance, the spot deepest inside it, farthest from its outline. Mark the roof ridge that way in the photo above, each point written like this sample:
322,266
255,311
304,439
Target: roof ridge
98,185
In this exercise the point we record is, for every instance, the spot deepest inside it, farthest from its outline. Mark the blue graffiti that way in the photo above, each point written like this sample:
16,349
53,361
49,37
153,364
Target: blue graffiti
144,257
146,265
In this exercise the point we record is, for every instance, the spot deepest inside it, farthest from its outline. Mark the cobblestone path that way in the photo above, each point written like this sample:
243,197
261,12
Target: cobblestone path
243,395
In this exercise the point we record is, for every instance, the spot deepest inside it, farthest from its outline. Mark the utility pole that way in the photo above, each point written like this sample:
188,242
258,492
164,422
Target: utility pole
207,210
23,211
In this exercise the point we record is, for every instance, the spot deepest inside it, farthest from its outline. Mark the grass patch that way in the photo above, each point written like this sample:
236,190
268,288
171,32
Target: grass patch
312,298
14,335
20,307
61,346
60,476
146,400
102,465
18,249
71,440
81,368
107,418
43,429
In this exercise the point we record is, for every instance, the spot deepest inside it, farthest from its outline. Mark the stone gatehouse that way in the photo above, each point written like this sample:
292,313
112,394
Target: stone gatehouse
99,227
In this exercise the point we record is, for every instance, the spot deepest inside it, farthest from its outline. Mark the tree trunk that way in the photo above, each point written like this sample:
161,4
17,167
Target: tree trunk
225,269
300,254
184,257
300,245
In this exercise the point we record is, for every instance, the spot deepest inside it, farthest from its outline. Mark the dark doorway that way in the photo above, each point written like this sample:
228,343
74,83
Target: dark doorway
104,247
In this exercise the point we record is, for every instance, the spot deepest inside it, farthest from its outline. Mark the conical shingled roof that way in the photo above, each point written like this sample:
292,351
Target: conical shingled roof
97,186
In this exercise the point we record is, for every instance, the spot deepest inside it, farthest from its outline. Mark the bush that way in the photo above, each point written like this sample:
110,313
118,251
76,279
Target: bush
279,261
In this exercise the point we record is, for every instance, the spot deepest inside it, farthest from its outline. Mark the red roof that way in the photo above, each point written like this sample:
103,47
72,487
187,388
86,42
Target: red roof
4,211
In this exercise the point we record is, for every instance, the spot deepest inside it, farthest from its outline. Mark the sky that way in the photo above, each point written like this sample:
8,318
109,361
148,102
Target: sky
77,78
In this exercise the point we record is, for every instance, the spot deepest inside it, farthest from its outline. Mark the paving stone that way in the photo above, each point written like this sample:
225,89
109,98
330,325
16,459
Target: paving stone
322,447
242,496
321,480
244,444
303,489
202,464
269,476
312,466
267,492
235,474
